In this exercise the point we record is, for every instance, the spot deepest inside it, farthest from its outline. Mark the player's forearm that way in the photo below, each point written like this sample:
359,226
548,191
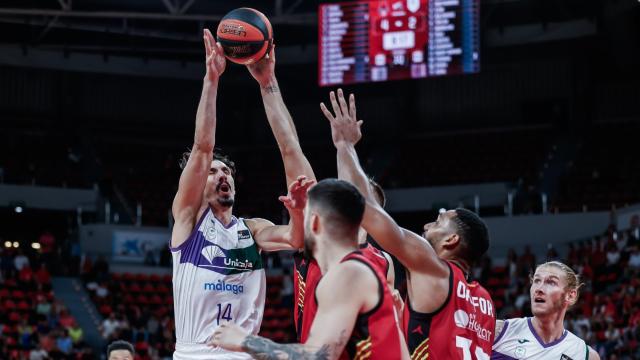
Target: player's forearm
204,138
296,229
261,348
349,169
284,131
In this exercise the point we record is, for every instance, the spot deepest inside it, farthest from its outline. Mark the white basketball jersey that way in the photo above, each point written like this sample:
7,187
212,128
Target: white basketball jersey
217,277
519,340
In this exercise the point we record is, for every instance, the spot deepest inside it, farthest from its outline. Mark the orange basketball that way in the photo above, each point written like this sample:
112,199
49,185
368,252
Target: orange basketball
246,35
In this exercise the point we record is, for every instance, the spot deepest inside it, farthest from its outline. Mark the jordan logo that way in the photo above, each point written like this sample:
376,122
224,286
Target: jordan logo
417,330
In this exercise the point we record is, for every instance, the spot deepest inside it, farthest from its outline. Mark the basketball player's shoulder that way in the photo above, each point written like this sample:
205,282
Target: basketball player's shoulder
256,224
352,276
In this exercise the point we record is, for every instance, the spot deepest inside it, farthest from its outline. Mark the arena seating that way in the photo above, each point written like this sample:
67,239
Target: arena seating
31,318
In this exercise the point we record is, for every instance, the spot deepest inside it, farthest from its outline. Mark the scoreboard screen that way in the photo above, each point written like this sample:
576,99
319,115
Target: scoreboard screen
379,40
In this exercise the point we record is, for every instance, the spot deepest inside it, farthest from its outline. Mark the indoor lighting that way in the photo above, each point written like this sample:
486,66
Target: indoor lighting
7,244
18,209
16,244
35,245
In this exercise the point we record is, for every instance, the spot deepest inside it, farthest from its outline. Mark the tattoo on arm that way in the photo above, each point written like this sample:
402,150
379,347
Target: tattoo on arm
271,89
265,349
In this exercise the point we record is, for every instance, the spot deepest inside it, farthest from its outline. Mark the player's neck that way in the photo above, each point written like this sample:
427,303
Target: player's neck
330,256
549,328
224,215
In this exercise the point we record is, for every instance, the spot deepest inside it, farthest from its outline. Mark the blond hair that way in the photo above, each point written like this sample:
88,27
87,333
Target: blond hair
572,279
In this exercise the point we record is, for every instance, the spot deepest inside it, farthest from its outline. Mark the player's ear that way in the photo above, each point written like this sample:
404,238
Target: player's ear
571,296
451,241
314,223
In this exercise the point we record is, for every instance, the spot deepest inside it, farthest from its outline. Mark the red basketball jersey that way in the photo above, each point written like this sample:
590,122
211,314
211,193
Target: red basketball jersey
306,276
375,334
462,328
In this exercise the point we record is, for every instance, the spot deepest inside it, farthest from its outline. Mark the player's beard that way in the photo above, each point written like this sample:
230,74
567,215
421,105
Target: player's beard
226,201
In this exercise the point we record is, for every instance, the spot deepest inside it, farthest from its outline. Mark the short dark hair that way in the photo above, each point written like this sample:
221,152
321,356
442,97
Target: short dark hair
217,155
120,345
474,233
342,203
378,192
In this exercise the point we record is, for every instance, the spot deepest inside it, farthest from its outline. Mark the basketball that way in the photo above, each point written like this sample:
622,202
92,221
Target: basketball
246,35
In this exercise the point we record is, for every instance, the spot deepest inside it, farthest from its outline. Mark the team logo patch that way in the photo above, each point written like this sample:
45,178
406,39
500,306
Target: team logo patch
244,234
565,357
520,352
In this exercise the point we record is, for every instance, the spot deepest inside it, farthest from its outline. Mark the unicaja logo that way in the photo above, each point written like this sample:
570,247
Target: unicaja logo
238,264
224,287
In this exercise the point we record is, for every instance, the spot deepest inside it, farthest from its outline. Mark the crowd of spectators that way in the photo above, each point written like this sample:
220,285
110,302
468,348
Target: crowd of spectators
34,324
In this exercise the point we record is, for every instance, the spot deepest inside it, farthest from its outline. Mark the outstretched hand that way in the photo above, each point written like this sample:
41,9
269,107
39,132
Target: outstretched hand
228,336
345,126
296,199
264,69
215,60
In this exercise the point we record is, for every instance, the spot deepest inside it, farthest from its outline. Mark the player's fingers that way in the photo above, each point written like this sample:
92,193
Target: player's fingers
359,123
334,105
206,41
210,42
343,104
352,106
326,112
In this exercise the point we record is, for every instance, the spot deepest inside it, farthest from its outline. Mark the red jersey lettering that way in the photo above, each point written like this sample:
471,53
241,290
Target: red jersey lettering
461,329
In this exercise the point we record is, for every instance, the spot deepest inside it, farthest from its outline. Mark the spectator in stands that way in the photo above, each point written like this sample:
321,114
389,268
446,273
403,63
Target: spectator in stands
76,333
64,342
634,258
552,254
102,291
26,333
43,307
120,350
613,258
38,353
20,261
42,276
109,326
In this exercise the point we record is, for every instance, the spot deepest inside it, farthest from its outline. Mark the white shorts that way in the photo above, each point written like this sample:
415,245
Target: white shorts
204,352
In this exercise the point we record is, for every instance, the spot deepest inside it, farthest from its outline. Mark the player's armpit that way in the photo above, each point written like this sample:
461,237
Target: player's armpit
411,249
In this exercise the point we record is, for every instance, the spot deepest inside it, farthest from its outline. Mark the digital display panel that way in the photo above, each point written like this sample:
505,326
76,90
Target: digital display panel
379,40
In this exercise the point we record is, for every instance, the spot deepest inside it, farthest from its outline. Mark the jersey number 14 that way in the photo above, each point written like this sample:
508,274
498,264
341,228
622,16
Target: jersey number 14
224,314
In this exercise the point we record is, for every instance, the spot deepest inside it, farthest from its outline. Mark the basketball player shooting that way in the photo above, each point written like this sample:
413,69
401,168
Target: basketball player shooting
356,317
446,317
307,272
554,288
217,270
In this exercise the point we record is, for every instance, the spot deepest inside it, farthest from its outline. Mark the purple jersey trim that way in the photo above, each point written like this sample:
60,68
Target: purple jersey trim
502,332
535,334
191,236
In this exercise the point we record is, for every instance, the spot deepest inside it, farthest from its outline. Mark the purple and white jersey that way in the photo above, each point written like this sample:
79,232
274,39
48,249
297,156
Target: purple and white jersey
217,277
519,340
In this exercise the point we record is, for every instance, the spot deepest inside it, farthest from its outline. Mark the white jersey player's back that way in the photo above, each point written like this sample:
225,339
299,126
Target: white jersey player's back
217,277
519,340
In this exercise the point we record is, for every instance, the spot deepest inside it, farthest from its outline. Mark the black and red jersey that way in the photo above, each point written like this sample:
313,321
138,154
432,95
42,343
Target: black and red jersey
376,333
463,326
306,276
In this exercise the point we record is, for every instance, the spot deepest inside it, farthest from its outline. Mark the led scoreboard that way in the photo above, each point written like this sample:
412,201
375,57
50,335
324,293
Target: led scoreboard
378,40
